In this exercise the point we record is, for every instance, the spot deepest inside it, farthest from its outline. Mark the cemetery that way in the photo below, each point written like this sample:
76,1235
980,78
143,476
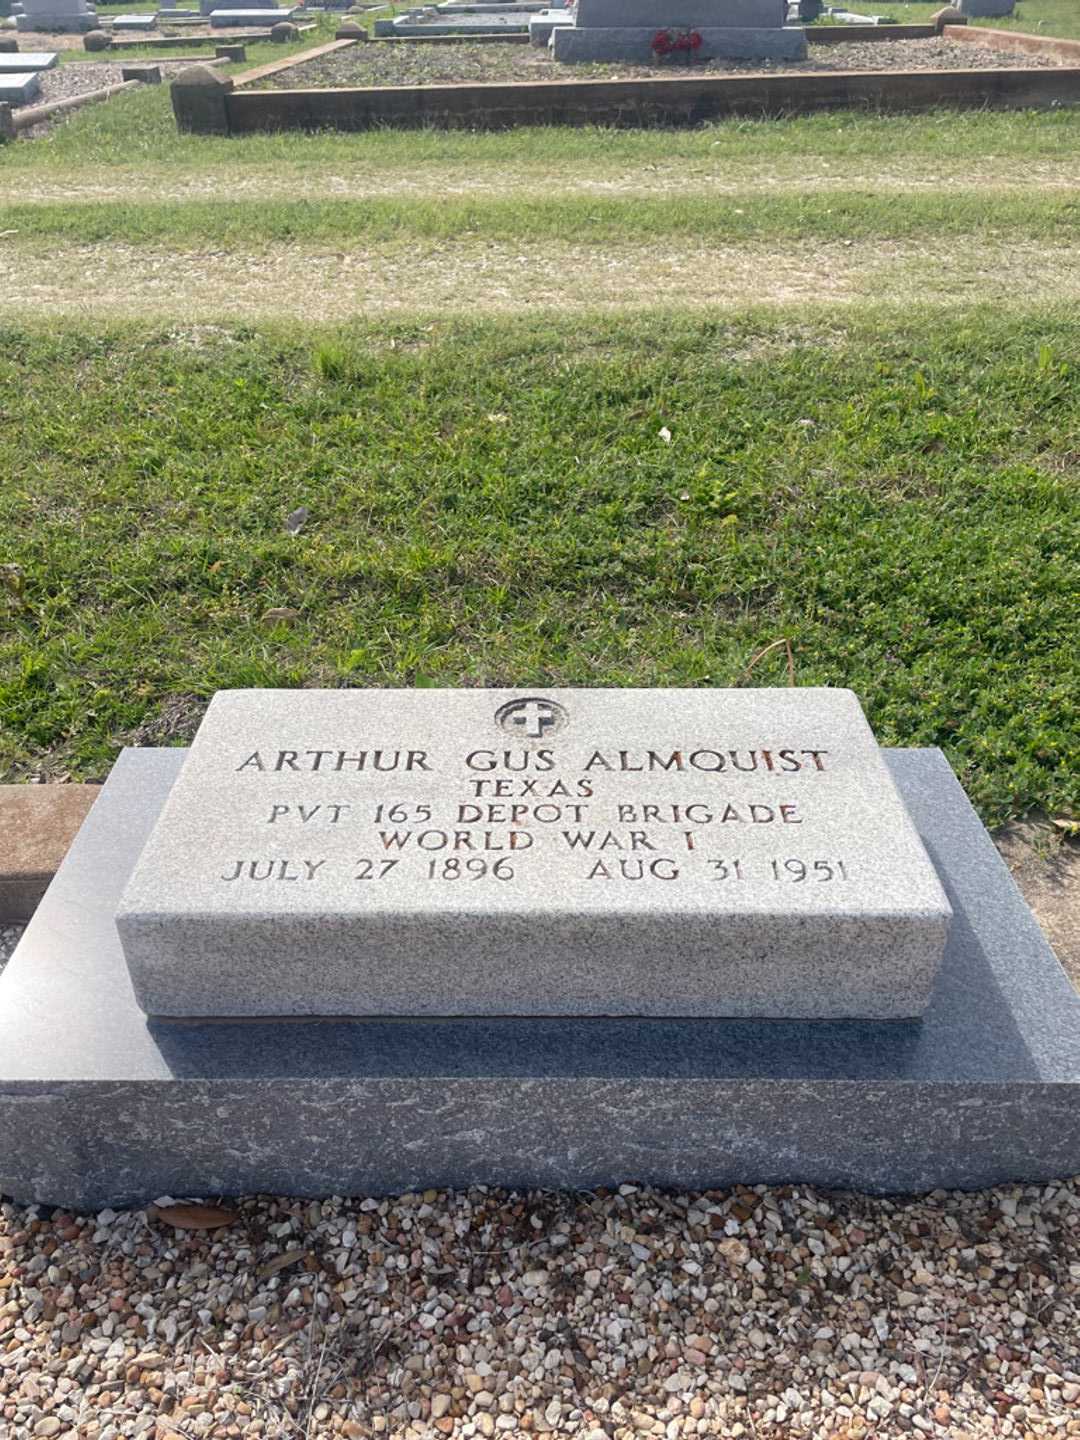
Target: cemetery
540,721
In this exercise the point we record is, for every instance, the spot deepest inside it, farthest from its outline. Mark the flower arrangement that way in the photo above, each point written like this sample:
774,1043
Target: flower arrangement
675,42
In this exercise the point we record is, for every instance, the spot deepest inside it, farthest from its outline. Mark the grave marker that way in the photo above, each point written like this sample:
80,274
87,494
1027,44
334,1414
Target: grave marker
605,30
571,852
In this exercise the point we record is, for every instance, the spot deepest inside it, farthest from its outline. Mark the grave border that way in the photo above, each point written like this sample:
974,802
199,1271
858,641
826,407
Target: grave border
651,102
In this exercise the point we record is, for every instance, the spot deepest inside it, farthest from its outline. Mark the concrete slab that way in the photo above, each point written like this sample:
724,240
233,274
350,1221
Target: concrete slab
28,60
19,87
99,1107
487,23
223,19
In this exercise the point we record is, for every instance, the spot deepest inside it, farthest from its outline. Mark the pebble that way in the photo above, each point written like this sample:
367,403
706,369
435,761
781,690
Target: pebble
753,1313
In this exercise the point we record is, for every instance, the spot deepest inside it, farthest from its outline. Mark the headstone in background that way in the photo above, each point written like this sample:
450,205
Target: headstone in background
253,19
626,30
985,9
55,16
429,22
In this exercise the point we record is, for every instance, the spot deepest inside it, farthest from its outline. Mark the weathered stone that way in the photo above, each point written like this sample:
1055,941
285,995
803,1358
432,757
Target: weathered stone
96,40
99,1108
28,60
56,16
626,30
9,45
224,19
235,54
283,33
349,30
985,9
713,14
635,45
588,852
948,15
18,87
145,74
200,100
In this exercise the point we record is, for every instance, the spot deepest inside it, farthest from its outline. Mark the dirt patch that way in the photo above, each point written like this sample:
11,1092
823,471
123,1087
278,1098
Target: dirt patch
332,284
357,180
1047,870
421,64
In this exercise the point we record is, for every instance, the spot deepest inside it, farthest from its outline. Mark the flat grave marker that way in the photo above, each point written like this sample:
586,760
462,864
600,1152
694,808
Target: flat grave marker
19,87
27,60
573,852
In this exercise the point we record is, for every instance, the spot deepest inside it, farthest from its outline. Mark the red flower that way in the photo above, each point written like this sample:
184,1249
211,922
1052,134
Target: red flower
695,39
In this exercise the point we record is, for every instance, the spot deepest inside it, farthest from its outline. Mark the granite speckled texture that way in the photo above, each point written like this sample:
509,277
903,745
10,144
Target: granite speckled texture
747,855
98,1106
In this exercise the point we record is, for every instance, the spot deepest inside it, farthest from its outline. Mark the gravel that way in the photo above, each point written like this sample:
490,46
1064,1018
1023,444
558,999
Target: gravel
779,1313
764,1312
420,64
10,935
65,81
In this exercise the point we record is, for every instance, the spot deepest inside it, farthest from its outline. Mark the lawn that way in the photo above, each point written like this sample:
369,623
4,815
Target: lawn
459,351
1036,17
496,504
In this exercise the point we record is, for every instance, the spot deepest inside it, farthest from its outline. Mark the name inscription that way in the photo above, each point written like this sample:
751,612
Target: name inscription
517,808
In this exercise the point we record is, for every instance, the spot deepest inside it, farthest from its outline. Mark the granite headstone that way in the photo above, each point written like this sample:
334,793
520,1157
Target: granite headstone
575,852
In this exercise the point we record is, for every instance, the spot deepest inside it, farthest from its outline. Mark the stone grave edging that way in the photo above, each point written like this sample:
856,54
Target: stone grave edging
659,102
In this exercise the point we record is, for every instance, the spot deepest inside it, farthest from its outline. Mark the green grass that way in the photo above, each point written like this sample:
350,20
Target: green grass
1036,17
138,131
493,504
748,217
261,52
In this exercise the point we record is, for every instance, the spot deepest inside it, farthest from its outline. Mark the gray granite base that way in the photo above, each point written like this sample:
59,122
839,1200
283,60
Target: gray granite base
575,43
99,1107
484,23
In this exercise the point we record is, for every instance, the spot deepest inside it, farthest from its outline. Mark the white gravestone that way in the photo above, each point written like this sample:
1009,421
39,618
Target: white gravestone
568,852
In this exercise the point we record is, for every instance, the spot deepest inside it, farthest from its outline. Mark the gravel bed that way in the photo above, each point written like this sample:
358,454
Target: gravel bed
10,935
64,81
759,1313
420,64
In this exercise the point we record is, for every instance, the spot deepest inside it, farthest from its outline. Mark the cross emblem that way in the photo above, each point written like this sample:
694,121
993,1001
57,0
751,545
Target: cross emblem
534,717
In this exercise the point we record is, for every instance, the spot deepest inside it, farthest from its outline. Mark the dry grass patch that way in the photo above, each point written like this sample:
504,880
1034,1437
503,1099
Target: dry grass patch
497,277
358,181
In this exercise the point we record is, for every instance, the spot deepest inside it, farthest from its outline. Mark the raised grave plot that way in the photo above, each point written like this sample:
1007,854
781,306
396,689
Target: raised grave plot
67,81
418,64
